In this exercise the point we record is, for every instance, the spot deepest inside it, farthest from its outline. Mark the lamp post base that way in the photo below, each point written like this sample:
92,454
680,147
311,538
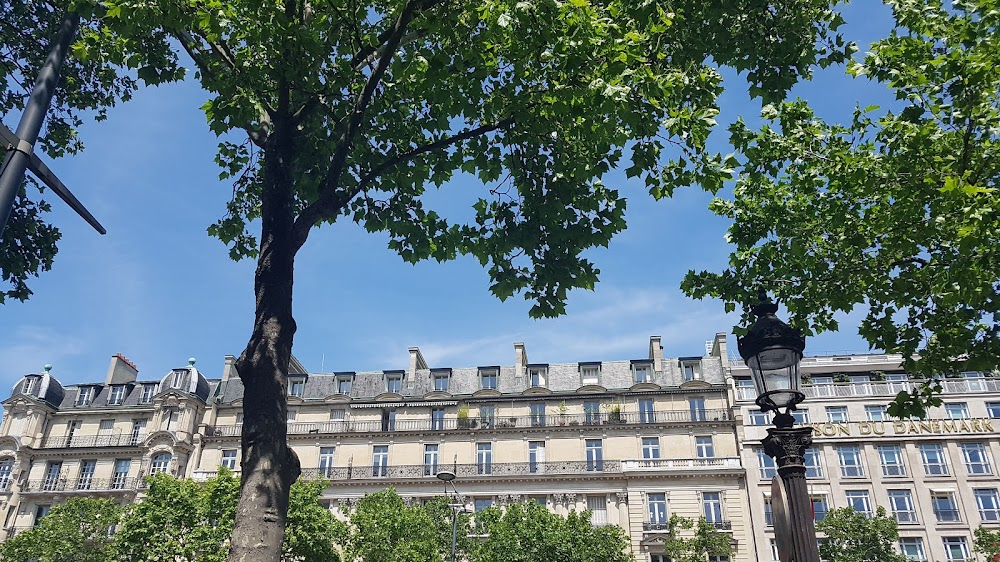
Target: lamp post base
787,446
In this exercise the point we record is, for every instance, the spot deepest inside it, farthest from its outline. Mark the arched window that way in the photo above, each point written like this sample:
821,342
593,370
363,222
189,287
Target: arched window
6,468
161,462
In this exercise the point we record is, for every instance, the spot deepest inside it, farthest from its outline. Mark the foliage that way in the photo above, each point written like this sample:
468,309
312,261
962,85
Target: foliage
682,546
383,528
852,536
987,542
895,213
78,530
184,518
528,532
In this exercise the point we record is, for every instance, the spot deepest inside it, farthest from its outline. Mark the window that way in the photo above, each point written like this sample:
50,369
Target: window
759,418
106,427
29,385
766,464
394,383
957,411
712,506
745,389
814,468
820,507
327,456
650,447
988,503
850,461
487,415
590,373
691,370
891,458
296,387
897,381
338,415
977,461
160,463
41,511
6,468
704,447
801,416
138,430
239,418
229,459
774,551
768,513
598,506
823,386
441,381
913,549
836,414
484,458
956,549
860,501
290,415
536,457
148,390
876,413
84,396
86,474
344,385
595,455
994,409
481,504
646,414
430,460
536,375
178,379
388,419
901,505
640,373
945,508
974,381
488,379
380,461
71,430
933,458
657,508
697,407
437,419
591,412
538,414
120,477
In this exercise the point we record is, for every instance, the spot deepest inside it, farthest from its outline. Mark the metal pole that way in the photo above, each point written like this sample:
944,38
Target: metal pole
12,173
454,532
788,448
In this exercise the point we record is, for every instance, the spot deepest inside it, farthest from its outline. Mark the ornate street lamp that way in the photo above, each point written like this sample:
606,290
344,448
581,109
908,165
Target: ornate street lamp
773,351
458,506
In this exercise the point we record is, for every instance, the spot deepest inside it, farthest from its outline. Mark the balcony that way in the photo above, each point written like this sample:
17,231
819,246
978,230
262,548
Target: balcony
712,463
110,440
880,388
722,525
655,526
429,472
494,423
85,485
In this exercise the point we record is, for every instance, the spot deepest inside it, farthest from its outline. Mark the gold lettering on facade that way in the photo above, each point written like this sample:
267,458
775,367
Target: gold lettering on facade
837,429
950,426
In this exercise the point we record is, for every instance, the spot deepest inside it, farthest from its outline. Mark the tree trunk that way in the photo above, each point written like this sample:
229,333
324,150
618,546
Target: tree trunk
269,466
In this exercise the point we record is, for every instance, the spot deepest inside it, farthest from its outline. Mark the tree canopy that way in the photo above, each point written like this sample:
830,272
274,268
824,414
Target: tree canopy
852,536
79,530
894,213
382,528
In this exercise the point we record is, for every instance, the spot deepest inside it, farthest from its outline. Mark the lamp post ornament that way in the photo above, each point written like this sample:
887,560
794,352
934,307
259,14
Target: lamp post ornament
773,350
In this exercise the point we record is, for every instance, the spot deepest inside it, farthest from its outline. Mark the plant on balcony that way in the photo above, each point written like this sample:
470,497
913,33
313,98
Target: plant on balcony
853,536
562,409
615,414
464,420
75,530
877,376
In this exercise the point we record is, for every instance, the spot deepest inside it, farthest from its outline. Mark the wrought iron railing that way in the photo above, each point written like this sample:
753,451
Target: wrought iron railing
490,423
429,471
655,526
880,388
110,440
680,464
65,484
722,525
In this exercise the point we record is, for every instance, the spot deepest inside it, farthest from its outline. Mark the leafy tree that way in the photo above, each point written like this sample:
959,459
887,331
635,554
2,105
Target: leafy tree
896,212
76,531
681,546
194,521
852,536
383,528
987,542
351,110
528,532
91,86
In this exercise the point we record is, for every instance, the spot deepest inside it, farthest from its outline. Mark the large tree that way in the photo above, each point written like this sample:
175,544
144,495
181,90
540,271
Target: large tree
895,213
852,536
382,528
349,110
79,530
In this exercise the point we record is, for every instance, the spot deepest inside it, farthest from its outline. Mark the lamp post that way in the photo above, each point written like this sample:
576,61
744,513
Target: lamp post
447,477
773,350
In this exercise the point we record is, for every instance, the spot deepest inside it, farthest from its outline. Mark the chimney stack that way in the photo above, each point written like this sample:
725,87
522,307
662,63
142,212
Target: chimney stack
656,352
121,370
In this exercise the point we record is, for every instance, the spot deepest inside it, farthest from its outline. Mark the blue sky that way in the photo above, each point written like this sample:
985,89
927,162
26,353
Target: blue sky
158,289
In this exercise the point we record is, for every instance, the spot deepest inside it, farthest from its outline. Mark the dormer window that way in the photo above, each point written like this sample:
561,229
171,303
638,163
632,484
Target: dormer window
148,390
691,370
117,395
537,375
442,380
590,373
29,384
640,373
296,387
344,384
84,396
488,379
179,378
394,383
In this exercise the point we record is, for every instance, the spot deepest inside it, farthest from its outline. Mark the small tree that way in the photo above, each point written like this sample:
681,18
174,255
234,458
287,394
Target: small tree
988,544
852,536
681,546
528,532
383,528
79,530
